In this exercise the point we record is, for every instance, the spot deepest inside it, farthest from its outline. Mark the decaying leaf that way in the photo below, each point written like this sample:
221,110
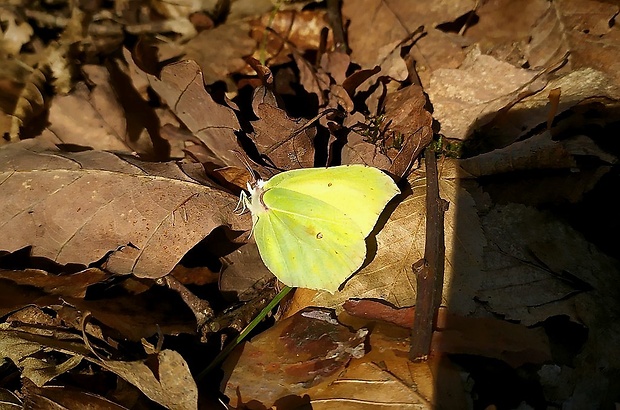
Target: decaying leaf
311,347
23,349
274,33
464,99
408,127
63,397
538,267
73,285
143,219
576,88
581,28
220,51
386,378
31,101
181,86
285,141
15,35
170,384
512,343
378,27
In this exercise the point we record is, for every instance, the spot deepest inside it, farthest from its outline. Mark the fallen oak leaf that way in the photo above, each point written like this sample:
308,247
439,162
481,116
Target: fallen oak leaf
81,207
181,86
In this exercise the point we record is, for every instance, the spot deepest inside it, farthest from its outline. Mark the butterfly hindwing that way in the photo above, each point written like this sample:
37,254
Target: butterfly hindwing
306,242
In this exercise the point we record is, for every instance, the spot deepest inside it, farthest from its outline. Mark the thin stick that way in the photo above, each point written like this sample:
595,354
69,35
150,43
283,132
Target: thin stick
429,270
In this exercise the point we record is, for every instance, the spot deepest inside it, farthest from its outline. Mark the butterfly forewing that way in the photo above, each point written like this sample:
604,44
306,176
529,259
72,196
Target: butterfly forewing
358,191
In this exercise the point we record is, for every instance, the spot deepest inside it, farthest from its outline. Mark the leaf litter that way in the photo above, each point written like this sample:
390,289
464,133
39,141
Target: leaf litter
124,268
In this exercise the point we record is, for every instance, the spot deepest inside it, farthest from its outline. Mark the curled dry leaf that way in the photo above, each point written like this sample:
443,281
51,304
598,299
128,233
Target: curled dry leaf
78,208
282,139
31,101
171,384
575,87
181,86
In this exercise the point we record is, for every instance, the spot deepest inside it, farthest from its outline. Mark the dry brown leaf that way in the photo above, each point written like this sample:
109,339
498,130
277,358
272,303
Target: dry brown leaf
181,87
314,81
132,317
585,30
10,400
538,152
31,101
220,51
282,139
64,397
297,353
300,30
15,34
436,50
377,27
243,268
504,29
74,285
408,127
400,243
15,297
557,162
76,208
359,150
24,348
386,378
467,98
512,343
171,384
537,267
90,117
575,87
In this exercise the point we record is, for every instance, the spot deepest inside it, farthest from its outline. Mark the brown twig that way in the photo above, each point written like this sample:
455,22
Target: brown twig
200,308
429,271
334,15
